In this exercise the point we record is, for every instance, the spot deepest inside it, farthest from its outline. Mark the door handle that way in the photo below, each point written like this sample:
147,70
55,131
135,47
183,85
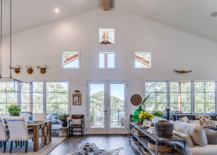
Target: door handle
105,112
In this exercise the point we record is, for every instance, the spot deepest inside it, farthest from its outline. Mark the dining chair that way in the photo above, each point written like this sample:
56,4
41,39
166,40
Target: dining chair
39,117
3,136
18,131
26,115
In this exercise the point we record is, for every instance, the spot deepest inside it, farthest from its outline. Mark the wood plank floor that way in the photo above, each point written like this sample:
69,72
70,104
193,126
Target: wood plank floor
106,142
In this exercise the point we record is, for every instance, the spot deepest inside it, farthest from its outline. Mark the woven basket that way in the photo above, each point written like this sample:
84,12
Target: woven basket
165,148
145,151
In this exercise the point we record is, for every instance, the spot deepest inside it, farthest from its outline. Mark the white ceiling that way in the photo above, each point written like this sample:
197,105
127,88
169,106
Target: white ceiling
193,16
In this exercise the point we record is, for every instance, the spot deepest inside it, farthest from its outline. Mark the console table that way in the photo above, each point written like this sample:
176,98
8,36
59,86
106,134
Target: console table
143,141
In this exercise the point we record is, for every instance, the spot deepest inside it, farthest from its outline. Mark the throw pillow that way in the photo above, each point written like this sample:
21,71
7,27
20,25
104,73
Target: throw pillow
196,132
194,122
211,137
184,136
207,123
184,119
76,121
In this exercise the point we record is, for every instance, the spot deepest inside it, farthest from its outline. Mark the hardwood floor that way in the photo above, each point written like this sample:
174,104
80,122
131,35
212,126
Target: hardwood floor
106,142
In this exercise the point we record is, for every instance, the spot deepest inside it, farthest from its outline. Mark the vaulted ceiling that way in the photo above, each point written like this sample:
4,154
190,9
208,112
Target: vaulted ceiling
192,16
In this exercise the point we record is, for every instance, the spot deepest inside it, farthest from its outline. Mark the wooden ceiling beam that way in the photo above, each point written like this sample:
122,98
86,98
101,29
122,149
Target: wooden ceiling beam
70,59
106,5
141,60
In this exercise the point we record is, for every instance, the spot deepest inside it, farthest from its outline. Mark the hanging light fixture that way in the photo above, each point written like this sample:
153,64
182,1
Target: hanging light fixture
11,84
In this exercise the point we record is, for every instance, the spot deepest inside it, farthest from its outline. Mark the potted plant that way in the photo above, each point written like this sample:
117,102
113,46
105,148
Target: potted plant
63,119
92,116
14,109
145,116
138,111
157,115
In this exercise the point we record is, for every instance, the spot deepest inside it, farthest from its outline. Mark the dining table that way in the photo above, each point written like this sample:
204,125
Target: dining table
36,126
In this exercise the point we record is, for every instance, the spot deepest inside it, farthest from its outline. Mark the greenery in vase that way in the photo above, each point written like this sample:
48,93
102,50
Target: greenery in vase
157,113
145,115
63,117
14,109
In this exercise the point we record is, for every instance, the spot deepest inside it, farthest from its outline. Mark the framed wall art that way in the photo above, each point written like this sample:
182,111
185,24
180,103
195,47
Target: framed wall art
76,99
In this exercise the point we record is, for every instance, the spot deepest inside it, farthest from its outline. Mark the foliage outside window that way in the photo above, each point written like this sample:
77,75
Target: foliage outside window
6,98
204,94
180,97
37,97
158,98
57,98
25,98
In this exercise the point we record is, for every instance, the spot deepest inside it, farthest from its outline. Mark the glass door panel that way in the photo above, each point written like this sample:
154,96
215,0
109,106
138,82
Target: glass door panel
97,98
117,106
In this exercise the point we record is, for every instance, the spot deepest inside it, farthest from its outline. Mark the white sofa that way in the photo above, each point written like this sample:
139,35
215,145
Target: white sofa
197,136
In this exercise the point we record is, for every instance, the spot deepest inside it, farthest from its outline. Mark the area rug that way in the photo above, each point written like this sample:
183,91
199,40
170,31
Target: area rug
42,151
92,149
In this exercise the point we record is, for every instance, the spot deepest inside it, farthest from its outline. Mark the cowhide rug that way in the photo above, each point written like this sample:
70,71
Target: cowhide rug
92,149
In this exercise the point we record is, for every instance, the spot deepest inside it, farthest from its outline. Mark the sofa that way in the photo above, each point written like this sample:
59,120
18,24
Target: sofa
177,117
199,141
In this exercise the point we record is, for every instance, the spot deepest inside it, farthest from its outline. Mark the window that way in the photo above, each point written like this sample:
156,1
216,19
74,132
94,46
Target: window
180,97
142,60
57,97
158,98
106,60
204,94
6,98
25,98
71,60
37,97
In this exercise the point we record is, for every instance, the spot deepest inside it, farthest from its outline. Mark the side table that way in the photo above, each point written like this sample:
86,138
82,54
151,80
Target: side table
64,132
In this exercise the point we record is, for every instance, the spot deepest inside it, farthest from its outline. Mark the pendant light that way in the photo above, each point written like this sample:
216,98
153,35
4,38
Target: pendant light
11,84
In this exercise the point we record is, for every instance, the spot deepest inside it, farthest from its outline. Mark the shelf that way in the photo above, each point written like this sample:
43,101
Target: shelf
144,142
139,149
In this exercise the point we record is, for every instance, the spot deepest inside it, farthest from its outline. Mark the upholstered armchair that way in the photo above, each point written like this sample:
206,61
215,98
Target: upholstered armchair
39,117
3,135
18,131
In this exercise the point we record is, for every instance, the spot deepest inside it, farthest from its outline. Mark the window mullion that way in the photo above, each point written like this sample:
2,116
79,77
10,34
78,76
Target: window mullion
192,98
215,97
31,97
44,97
168,94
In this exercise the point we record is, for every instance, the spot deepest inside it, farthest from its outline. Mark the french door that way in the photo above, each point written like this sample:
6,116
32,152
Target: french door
107,110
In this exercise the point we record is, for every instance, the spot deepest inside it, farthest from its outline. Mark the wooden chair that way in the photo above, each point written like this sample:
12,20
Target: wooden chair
77,122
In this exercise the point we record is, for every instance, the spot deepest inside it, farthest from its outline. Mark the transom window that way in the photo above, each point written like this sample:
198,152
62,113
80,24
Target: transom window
106,60
71,60
142,60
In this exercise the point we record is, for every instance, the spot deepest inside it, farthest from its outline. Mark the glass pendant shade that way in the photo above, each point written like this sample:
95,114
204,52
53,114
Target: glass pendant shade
10,85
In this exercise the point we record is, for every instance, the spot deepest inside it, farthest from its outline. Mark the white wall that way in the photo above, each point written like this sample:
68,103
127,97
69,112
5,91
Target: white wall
171,49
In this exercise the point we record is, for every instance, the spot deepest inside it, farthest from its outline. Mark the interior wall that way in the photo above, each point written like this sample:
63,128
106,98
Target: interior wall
171,49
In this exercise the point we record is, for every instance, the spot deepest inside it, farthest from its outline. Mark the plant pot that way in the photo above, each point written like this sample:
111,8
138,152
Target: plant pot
164,128
14,114
64,123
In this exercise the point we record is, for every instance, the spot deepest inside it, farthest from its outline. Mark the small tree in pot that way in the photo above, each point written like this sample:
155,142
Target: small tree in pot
63,119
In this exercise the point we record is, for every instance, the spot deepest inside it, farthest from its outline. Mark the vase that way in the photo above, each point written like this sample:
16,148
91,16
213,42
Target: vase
164,128
14,114
136,114
145,122
64,123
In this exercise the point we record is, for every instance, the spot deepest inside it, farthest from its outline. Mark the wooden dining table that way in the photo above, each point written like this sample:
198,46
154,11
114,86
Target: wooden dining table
36,126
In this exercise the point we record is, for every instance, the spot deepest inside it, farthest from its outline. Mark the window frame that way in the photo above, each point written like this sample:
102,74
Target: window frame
79,60
150,61
192,91
115,60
